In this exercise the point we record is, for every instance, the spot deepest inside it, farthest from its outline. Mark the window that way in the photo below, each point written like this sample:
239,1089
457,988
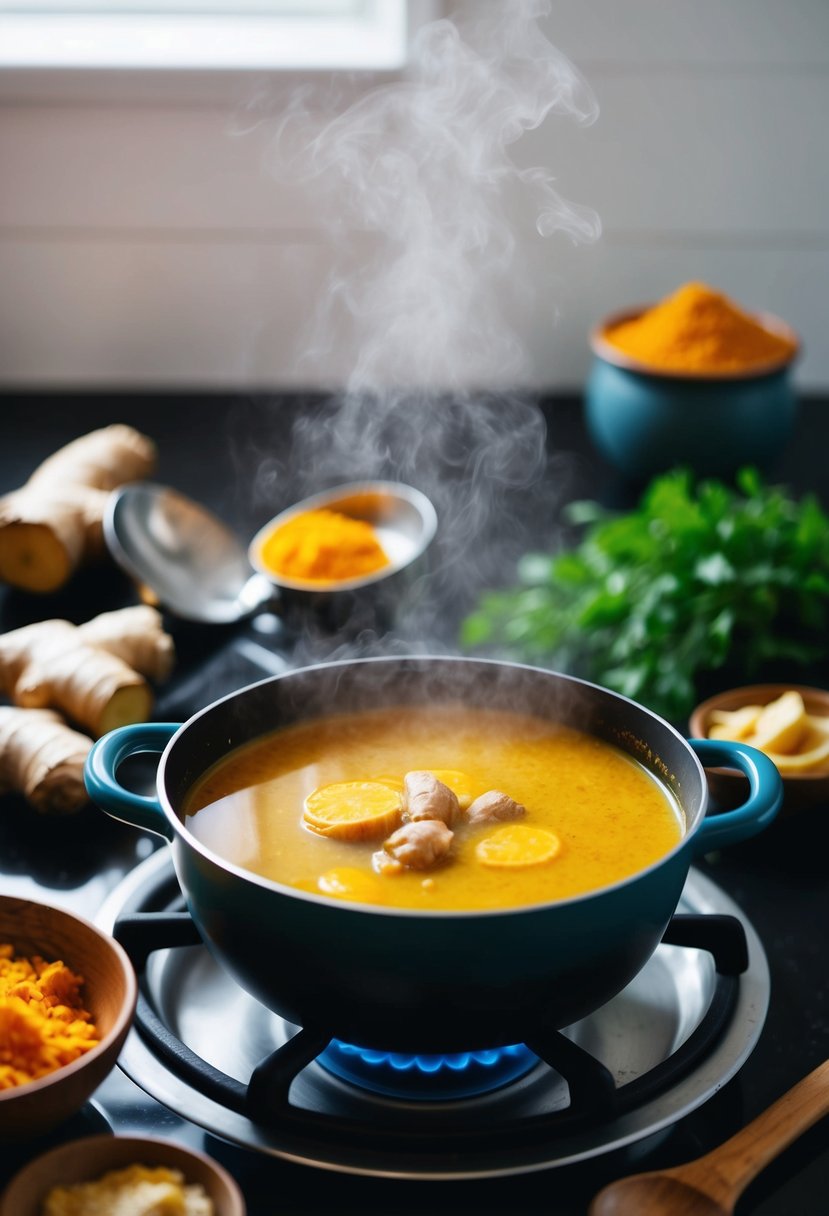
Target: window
204,34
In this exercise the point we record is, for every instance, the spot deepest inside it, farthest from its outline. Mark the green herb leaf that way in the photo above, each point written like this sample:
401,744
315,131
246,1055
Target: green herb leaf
696,576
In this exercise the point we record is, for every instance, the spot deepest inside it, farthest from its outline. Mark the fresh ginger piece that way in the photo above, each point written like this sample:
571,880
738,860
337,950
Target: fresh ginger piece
43,759
54,523
353,810
46,665
804,761
136,635
129,703
40,555
517,846
78,670
735,724
782,725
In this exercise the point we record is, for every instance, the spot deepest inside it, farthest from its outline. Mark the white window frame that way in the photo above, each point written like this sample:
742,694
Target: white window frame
193,59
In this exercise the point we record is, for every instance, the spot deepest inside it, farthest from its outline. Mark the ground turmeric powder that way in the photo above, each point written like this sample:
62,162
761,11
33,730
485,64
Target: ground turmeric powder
43,1024
701,331
323,546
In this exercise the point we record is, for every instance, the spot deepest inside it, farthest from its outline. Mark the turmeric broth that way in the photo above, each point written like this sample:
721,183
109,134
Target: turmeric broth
609,817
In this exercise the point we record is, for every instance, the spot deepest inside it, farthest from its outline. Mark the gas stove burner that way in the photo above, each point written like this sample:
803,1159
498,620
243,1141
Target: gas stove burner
662,1047
433,1077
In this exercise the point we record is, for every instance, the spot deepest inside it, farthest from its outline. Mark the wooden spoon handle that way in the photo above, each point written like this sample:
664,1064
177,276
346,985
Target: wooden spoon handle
736,1162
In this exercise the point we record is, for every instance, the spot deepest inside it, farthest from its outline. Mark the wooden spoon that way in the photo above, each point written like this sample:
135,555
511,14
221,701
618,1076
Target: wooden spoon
711,1185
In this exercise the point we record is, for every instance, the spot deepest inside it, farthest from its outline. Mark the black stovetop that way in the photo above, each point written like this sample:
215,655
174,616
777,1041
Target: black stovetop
780,880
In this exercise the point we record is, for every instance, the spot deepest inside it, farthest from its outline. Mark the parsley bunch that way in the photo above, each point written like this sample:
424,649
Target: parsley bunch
694,577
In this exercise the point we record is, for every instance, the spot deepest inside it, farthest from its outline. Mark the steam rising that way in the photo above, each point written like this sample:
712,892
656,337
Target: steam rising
420,192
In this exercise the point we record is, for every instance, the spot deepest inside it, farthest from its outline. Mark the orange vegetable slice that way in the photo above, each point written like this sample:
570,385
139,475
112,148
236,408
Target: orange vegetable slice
347,882
353,810
517,845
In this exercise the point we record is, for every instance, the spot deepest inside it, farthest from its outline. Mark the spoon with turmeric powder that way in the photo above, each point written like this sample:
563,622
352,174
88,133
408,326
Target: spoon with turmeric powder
341,539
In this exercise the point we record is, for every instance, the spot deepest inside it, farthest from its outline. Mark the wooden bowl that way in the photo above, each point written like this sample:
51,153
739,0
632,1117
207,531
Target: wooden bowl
729,787
109,993
87,1159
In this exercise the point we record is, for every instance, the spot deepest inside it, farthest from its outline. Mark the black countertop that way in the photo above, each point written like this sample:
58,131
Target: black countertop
249,456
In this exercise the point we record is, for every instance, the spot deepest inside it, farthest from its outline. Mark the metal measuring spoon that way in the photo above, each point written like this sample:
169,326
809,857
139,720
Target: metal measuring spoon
200,571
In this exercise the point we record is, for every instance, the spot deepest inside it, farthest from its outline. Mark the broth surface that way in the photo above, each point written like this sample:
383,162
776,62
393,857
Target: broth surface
612,817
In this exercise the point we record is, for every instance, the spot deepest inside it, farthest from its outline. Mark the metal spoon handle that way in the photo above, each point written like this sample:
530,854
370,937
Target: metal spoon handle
734,1164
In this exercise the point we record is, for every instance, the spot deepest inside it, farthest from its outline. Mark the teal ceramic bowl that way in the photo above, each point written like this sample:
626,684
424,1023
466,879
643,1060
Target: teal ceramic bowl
645,423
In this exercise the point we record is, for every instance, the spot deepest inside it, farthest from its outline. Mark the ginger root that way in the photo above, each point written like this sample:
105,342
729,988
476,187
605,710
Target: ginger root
43,759
95,674
54,522
135,635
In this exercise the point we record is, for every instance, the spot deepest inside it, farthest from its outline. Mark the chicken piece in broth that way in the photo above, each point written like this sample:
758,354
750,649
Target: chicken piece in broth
494,807
415,846
425,797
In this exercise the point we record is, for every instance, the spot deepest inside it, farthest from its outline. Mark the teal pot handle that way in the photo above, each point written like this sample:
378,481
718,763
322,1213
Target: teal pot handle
764,797
101,775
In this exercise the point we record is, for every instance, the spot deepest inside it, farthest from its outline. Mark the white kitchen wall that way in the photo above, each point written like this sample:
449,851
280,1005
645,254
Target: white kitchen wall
143,241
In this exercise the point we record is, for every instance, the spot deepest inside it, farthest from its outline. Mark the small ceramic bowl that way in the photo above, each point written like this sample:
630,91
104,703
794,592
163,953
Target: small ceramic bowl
109,993
88,1159
645,422
727,786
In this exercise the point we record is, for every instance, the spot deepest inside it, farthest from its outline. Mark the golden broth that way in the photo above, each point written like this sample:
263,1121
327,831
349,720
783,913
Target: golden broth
611,816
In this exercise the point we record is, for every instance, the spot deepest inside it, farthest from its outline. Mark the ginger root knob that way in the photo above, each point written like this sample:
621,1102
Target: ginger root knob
95,674
43,759
53,523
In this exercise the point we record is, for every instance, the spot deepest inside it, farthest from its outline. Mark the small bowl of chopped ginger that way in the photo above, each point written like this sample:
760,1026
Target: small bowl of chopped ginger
124,1174
67,998
789,722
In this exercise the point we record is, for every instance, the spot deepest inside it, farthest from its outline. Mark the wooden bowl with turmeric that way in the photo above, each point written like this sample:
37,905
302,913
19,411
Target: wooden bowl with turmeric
67,999
691,380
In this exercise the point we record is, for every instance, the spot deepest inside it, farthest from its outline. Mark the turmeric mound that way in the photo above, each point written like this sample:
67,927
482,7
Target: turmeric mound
699,330
43,1024
323,546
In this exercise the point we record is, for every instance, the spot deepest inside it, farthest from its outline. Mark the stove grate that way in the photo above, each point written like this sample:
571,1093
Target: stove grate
594,1097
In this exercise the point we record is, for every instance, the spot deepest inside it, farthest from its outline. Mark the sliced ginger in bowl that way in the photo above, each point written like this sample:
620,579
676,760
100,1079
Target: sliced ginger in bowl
794,739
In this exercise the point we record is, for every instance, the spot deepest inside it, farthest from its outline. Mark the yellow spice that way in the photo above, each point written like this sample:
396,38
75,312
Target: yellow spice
323,546
699,330
43,1024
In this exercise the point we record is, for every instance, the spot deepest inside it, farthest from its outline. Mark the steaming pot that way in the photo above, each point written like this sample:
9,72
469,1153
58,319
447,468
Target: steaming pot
433,981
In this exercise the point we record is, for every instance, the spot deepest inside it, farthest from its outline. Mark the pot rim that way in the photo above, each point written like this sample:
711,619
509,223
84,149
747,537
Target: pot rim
184,836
